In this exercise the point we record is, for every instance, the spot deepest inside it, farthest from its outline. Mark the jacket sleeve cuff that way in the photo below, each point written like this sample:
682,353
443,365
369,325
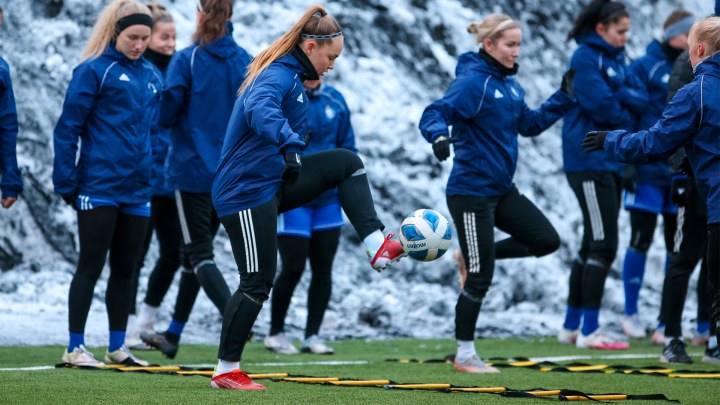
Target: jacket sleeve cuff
438,133
9,194
293,149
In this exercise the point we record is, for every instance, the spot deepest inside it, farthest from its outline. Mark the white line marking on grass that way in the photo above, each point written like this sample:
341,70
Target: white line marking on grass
609,357
307,363
28,368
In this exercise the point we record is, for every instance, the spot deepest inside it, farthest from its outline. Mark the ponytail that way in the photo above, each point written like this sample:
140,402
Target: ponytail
707,31
213,26
492,27
159,13
315,21
103,33
597,12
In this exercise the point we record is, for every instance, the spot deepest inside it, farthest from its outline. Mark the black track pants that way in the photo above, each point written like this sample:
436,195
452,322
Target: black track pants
101,230
713,266
531,234
643,224
294,251
253,234
599,196
199,224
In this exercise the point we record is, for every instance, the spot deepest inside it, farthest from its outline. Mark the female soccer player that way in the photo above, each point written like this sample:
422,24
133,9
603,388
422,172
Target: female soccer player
111,105
647,187
607,94
163,217
312,230
485,106
691,118
11,182
201,87
261,175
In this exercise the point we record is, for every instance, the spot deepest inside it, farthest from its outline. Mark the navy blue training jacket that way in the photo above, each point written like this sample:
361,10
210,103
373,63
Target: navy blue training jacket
200,91
607,94
269,120
487,110
112,103
691,119
11,183
160,143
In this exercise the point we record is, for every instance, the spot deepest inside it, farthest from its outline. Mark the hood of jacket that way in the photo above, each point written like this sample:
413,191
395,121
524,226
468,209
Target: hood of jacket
224,47
594,40
472,62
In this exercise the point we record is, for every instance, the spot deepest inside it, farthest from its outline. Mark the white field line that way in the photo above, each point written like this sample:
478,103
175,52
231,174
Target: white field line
28,368
609,357
307,363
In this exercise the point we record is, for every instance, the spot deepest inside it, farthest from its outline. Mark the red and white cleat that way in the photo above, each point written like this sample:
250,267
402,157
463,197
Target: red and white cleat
601,341
390,252
235,380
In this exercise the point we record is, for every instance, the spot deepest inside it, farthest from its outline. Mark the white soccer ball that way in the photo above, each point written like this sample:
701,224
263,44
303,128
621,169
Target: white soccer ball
425,235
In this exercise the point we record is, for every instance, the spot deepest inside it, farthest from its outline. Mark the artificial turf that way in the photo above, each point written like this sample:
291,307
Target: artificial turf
68,386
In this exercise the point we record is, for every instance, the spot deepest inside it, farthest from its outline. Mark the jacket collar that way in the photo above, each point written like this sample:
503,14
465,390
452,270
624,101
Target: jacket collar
112,53
710,66
308,70
472,62
492,62
593,40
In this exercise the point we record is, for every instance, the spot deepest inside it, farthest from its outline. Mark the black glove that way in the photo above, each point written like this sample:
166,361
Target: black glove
594,141
630,177
293,167
680,191
685,167
69,199
308,138
567,86
441,146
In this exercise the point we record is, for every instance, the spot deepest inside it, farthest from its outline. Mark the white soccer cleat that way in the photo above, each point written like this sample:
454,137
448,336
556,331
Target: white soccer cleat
474,365
280,344
601,341
567,336
314,345
633,327
81,357
124,357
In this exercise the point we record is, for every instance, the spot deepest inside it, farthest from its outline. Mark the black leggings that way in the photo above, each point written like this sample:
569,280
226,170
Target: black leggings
101,230
256,254
643,225
531,234
599,196
294,252
713,266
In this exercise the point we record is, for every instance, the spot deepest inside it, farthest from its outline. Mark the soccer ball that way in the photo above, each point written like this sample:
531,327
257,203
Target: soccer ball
425,235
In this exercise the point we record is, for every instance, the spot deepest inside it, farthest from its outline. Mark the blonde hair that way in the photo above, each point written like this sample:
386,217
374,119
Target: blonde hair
315,21
707,31
103,33
159,13
492,27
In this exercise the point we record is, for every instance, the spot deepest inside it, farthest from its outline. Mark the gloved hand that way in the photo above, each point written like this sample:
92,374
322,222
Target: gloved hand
441,146
680,191
293,167
69,200
685,167
594,141
308,138
567,86
630,178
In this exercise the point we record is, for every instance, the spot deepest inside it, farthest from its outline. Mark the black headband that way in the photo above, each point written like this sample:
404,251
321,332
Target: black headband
132,19
610,15
339,34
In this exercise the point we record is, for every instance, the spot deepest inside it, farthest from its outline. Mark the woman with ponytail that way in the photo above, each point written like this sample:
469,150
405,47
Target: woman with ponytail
198,98
608,93
163,217
486,108
112,105
262,174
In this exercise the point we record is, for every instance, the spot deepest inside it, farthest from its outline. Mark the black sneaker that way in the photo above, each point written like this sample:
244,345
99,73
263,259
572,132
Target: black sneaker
160,341
674,353
712,355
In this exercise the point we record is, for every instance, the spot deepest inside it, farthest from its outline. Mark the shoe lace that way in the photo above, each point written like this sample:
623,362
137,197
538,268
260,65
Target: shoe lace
240,377
86,354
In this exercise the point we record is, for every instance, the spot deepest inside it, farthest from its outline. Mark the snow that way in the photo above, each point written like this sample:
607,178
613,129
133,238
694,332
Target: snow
399,56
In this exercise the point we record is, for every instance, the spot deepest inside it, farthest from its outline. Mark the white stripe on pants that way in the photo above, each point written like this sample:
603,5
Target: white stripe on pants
183,221
594,210
471,238
247,226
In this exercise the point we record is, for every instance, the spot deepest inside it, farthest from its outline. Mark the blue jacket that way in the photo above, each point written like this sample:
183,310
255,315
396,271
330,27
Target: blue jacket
269,120
653,70
201,88
329,119
691,119
487,110
111,104
11,183
160,143
607,94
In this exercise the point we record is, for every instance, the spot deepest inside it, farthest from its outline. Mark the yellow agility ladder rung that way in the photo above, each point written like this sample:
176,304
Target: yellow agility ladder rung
415,386
268,375
695,375
169,368
588,368
195,372
365,382
597,397
664,371
481,389
523,363
544,393
311,379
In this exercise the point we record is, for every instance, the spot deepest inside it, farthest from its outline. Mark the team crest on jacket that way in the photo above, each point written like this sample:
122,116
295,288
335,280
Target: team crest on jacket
611,72
329,112
666,78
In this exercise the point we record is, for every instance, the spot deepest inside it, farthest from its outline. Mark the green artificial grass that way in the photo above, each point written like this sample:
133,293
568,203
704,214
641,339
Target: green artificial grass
67,386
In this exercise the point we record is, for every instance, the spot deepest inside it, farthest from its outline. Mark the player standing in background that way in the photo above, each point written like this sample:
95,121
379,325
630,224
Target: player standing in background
11,182
485,106
111,106
647,187
312,231
262,175
200,90
163,217
608,93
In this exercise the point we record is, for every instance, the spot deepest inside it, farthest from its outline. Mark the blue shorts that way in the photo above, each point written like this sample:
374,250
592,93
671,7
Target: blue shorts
655,199
305,220
85,203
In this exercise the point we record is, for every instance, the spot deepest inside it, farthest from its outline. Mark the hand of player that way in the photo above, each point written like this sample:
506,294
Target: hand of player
630,178
568,82
594,141
441,146
680,191
7,202
293,167
685,167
